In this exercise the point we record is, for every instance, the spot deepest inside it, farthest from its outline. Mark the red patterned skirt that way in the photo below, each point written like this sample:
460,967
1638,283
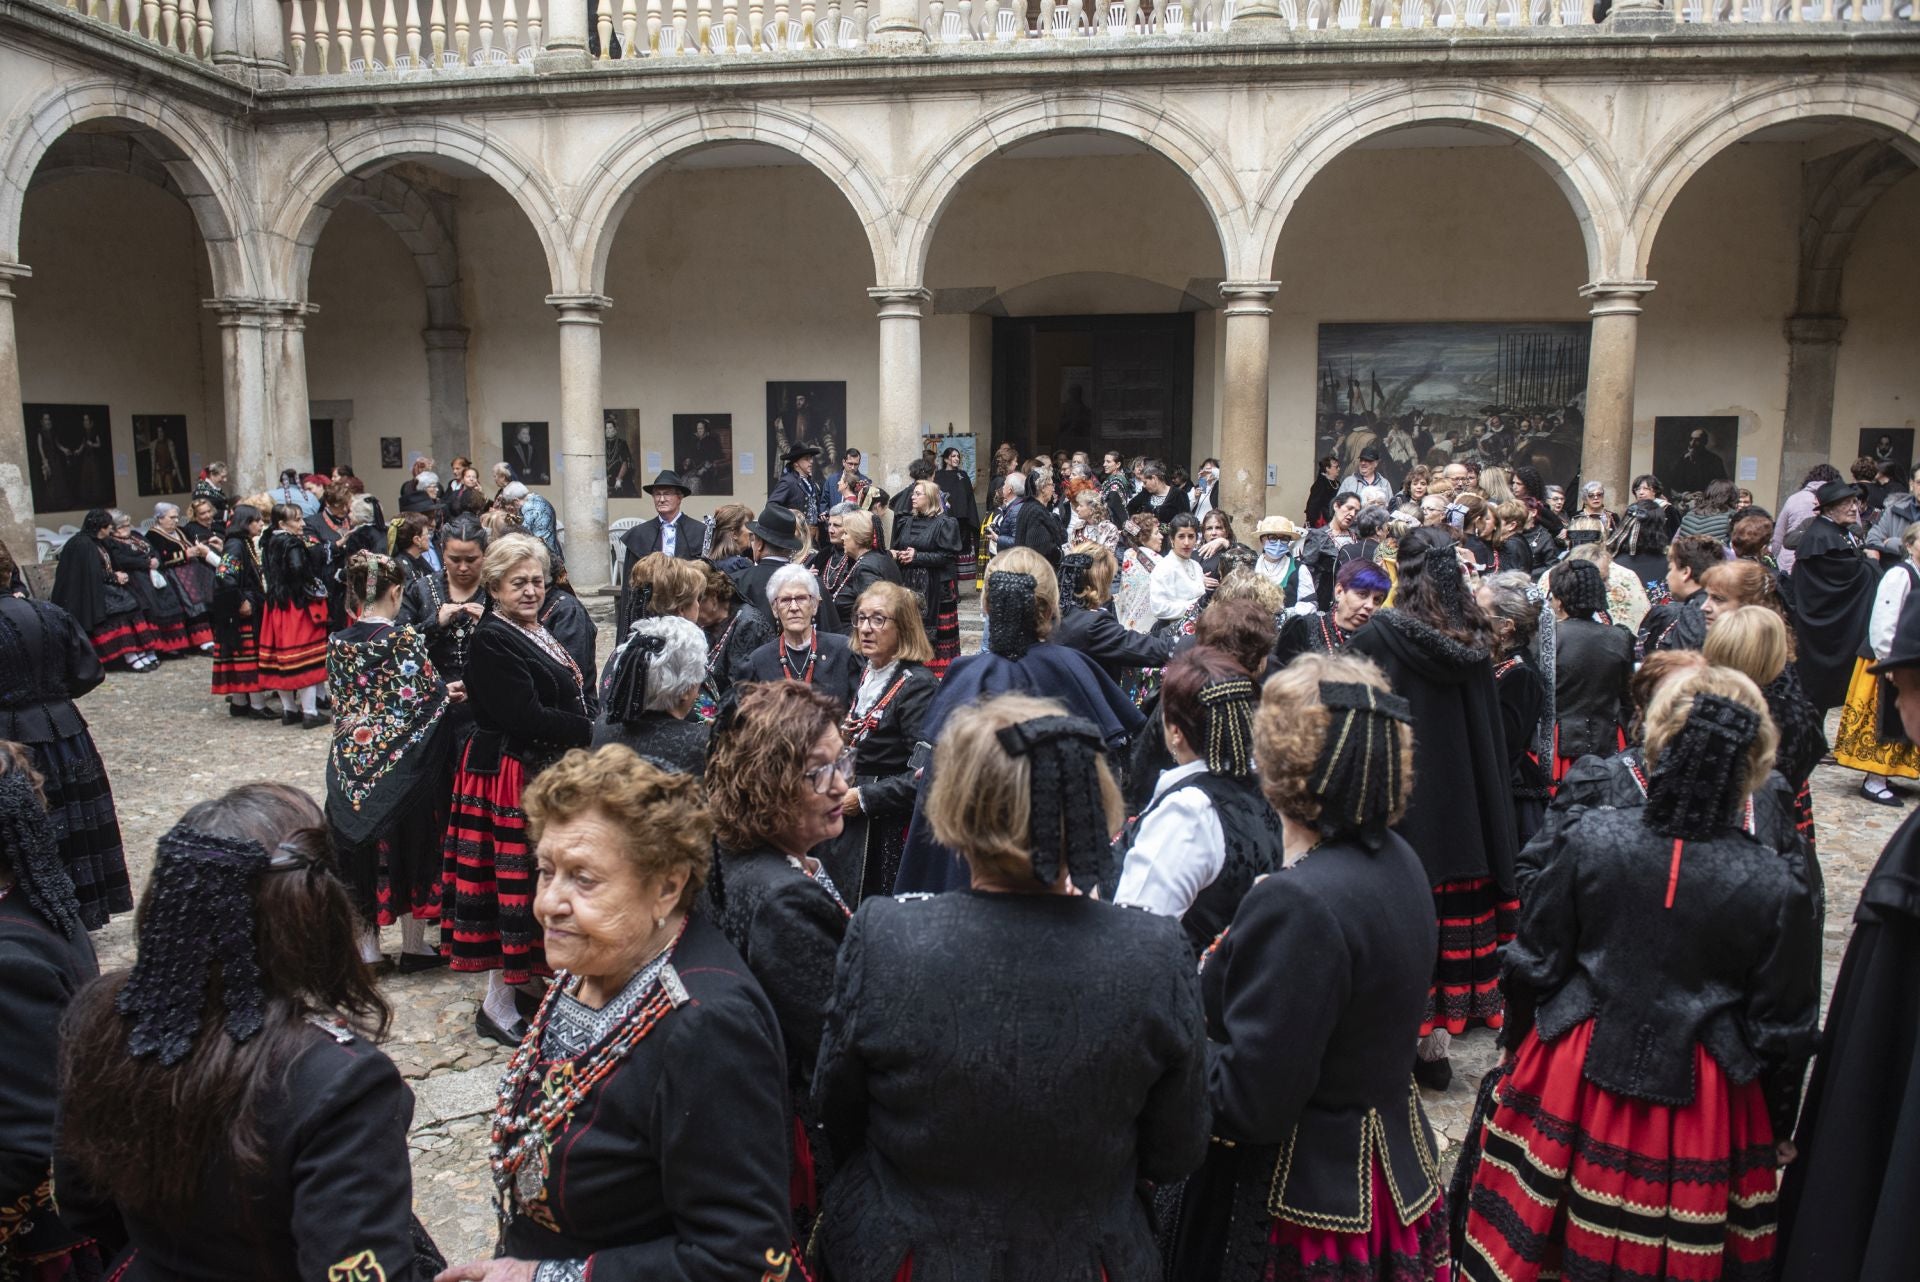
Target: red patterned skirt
1475,919
1578,1182
177,636
293,646
487,876
1388,1252
1563,764
121,636
237,671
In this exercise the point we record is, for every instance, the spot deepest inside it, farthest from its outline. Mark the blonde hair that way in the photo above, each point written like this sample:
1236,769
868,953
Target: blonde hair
982,799
1096,586
508,551
904,610
1494,486
1290,729
1750,639
1673,702
677,585
859,525
660,816
1046,585
1511,512
931,493
1594,552
1246,585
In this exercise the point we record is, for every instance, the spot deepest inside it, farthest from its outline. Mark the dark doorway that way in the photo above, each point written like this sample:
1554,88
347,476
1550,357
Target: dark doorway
1094,383
320,434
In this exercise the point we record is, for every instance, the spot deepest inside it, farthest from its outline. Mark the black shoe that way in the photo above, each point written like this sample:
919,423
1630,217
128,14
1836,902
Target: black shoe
382,967
526,1003
314,719
1901,787
1883,797
510,1037
241,710
1434,1074
414,963
289,718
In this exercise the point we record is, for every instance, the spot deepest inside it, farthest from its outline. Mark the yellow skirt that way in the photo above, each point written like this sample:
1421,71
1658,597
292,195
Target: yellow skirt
1859,746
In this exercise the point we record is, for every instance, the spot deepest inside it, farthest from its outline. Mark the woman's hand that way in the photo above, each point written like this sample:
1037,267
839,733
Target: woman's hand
850,806
153,563
456,692
1784,1152
1209,582
448,613
903,555
246,609
489,1271
1212,547
119,576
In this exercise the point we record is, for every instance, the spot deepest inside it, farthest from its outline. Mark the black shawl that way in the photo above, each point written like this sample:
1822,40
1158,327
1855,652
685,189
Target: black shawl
961,506
80,583
1833,590
292,564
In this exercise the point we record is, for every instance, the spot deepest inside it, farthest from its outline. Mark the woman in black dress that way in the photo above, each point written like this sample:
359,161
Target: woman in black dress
927,546
293,626
45,664
1323,1164
188,564
802,651
642,1129
129,551
1593,661
865,565
653,681
211,490
777,781
449,605
89,587
1358,590
385,796
226,1110
1513,604
734,631
1003,1067
1088,623
45,958
956,487
239,597
529,707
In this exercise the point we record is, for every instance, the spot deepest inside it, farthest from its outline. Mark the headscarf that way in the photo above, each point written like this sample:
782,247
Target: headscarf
27,835
1013,626
1073,573
1579,588
626,695
1692,793
1357,777
1066,819
1228,704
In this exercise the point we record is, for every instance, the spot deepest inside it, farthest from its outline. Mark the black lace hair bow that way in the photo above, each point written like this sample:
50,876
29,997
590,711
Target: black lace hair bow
1066,816
1358,777
1073,573
27,835
1013,626
1229,708
627,696
1692,793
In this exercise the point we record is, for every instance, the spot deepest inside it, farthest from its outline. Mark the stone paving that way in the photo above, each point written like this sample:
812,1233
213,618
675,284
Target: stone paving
167,745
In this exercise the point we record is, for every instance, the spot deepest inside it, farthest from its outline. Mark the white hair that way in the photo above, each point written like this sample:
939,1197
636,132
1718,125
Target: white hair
1014,484
788,576
165,509
514,493
426,478
680,667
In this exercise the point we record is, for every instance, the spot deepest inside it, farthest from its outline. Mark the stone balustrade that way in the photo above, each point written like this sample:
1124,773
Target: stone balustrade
398,37
182,26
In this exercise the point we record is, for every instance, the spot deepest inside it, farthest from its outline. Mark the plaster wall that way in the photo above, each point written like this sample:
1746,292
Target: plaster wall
112,316
1878,384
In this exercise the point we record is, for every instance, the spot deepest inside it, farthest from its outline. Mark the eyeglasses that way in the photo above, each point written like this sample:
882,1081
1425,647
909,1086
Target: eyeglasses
792,602
872,620
821,776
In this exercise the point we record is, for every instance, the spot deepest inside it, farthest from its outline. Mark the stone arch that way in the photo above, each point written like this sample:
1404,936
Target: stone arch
1199,157
1846,193
318,184
1578,164
405,209
1795,102
194,160
639,156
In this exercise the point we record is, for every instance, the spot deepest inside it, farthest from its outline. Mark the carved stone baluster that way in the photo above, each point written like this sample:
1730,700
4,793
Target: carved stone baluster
680,41
366,32
389,31
203,29
603,29
729,26
509,29
653,25
483,26
297,36
756,20
437,31
936,18
343,32
860,22
830,36
169,21
534,25
411,30
322,41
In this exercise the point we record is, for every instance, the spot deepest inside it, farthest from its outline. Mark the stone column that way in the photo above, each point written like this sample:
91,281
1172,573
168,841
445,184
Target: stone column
1606,454
16,484
1806,436
252,448
1245,347
286,355
1641,16
899,421
898,29
248,42
447,395
582,457
564,44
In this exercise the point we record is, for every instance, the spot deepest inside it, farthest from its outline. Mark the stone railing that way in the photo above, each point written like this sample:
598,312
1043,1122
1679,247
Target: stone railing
379,37
183,26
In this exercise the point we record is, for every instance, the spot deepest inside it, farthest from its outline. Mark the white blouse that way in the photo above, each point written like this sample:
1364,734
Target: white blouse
1178,850
1176,584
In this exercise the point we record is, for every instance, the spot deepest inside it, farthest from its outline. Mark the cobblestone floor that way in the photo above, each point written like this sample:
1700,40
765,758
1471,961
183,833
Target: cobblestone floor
167,745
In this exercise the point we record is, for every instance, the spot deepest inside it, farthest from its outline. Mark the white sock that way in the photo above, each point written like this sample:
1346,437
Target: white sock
1434,1045
413,936
1876,784
498,1003
258,699
308,697
370,945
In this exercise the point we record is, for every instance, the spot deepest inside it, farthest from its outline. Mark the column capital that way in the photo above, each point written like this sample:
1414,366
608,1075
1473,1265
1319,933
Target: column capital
445,338
1616,297
261,313
9,273
900,302
579,309
1248,297
1824,331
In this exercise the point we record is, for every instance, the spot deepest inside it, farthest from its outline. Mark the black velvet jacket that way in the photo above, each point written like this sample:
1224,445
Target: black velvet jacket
675,1167
661,738
871,568
1590,701
525,704
336,1199
1001,1071
837,673
1674,625
1111,645
1733,965
729,649
45,664
881,766
40,971
1312,1000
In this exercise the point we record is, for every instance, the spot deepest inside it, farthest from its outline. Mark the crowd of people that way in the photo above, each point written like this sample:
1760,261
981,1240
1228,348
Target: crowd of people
1116,950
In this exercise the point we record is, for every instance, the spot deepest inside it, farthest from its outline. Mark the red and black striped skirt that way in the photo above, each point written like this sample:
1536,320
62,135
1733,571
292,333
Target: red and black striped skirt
293,646
487,876
237,670
121,636
1475,919
1578,1182
1563,764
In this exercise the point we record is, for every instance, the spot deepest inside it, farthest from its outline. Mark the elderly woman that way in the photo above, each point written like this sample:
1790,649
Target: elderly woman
1513,607
1323,1164
926,543
995,1122
1132,603
293,627
778,782
1087,622
45,958
204,524
89,587
529,707
227,1111
1627,600
865,565
658,586
1090,523
1593,503
189,565
45,664
642,1131
364,534
239,596
802,652
734,631
129,551
883,728
654,681
1662,991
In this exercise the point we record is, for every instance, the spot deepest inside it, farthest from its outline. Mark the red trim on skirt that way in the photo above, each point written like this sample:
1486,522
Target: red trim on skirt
1563,764
238,671
1387,1252
1475,919
123,636
171,637
487,876
1576,1181
293,646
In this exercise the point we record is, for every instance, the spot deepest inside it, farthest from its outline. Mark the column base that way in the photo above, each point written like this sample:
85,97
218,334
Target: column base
1635,21
902,40
550,62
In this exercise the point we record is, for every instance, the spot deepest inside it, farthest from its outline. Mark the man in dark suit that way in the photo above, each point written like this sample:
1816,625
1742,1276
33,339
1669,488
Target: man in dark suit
797,489
772,540
668,531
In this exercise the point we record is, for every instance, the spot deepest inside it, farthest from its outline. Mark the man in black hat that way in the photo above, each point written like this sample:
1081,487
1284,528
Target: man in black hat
668,531
1846,1207
797,489
1833,590
772,540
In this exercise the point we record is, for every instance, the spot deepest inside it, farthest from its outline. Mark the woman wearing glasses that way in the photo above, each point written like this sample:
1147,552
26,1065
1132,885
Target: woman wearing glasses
777,782
802,652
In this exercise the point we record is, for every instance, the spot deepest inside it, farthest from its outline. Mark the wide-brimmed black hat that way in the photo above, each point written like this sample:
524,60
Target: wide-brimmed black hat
1905,651
668,481
799,452
777,526
1835,492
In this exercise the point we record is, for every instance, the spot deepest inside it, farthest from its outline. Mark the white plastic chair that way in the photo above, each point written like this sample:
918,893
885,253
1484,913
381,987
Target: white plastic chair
1476,13
1412,12
524,55
450,60
615,532
1003,25
796,35
361,67
953,29
1064,21
68,531
1349,15
491,58
1226,15
669,41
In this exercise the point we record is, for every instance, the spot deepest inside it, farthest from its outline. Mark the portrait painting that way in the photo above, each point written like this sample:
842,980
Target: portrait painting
1888,445
524,448
70,457
703,452
160,454
806,413
1508,394
622,428
390,451
1691,452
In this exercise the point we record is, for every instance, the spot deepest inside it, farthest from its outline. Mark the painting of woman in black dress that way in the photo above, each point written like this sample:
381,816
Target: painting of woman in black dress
71,457
703,452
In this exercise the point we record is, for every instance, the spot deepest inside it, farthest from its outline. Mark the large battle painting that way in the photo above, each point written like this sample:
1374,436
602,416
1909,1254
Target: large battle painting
1505,393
